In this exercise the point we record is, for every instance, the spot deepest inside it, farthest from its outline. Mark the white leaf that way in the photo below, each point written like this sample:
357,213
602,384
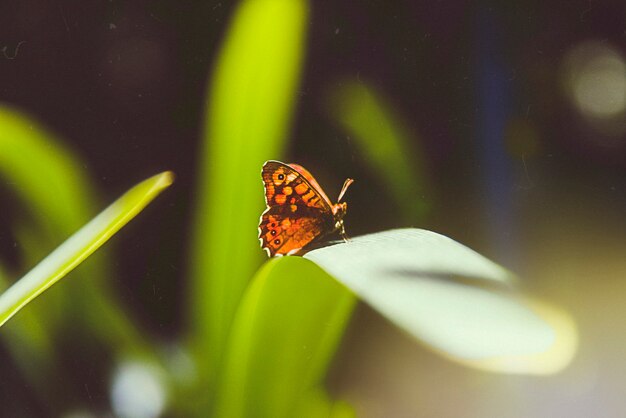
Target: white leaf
410,277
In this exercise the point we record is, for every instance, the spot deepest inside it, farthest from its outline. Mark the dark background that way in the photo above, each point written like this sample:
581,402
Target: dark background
515,169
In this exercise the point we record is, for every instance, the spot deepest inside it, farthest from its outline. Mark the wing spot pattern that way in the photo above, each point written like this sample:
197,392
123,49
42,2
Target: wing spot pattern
302,188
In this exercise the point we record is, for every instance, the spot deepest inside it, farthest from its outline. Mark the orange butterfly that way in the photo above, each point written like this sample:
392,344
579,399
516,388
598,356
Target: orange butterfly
298,211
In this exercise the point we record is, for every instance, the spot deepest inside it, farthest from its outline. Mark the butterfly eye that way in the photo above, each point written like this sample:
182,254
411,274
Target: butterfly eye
277,242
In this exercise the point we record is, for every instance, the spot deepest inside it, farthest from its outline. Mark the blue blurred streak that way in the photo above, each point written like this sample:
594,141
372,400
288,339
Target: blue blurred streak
493,99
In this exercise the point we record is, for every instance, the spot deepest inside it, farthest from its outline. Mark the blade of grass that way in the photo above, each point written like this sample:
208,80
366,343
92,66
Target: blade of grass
46,176
32,350
385,143
57,198
316,403
80,245
437,291
556,358
286,330
250,104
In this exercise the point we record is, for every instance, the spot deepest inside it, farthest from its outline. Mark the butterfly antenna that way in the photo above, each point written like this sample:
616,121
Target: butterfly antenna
345,186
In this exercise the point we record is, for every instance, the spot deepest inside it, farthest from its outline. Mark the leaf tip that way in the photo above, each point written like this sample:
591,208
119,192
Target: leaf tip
165,179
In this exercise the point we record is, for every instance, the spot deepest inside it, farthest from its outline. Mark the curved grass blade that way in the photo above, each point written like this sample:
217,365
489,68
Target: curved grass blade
286,330
385,143
80,245
435,289
249,109
47,177
556,358
32,349
56,198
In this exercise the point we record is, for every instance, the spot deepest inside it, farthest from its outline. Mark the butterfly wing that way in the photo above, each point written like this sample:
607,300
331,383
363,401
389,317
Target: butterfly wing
281,233
286,184
297,210
311,180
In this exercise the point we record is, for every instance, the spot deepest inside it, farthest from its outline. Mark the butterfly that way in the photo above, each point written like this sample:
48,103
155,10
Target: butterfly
298,211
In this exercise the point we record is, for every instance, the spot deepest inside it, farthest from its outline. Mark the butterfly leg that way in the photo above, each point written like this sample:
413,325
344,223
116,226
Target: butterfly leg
342,232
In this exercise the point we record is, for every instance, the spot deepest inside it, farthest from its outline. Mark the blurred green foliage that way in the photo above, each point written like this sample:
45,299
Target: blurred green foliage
80,246
286,330
56,198
249,106
257,344
379,134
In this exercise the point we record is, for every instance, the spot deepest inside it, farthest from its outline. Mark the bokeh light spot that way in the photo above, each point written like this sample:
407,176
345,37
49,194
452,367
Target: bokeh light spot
138,390
595,79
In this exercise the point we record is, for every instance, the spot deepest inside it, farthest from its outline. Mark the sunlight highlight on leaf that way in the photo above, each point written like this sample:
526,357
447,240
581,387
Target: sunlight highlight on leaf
438,291
81,245
556,358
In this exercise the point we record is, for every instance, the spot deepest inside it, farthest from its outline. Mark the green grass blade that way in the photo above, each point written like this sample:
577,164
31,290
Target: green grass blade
250,104
410,250
57,198
32,349
386,145
286,330
80,245
342,409
316,404
411,277
47,177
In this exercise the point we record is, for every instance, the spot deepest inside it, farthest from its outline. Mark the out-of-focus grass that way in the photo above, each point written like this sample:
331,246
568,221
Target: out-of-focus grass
286,330
260,371
80,245
386,145
30,342
249,107
262,342
316,403
32,348
48,178
54,194
56,199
